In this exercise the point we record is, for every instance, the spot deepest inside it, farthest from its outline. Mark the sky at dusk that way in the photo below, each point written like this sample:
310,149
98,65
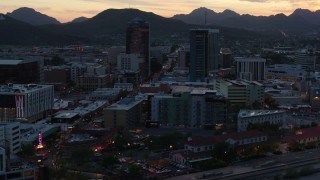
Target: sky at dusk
66,10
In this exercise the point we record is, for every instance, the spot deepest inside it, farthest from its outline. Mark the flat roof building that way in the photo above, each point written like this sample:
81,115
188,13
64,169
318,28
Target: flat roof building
241,91
25,102
21,71
247,117
251,69
10,136
126,113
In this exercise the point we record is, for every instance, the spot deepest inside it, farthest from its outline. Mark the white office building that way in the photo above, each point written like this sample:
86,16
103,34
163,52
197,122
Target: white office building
10,136
25,102
124,86
306,60
246,117
251,69
129,62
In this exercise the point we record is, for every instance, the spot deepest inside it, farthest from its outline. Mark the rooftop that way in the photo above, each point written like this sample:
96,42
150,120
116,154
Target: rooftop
249,59
66,115
250,113
14,62
90,107
209,30
202,91
202,141
8,123
125,104
21,88
304,134
30,132
179,89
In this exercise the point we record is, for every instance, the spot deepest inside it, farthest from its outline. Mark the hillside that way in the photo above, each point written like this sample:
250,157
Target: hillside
30,16
14,32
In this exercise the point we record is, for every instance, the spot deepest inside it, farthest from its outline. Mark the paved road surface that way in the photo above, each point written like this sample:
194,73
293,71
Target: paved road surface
253,165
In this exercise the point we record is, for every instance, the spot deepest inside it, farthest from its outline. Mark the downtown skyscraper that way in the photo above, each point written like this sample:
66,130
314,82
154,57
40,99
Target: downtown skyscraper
137,42
203,53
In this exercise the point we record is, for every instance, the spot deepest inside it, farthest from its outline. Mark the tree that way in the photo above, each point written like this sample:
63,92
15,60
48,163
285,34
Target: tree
210,164
82,155
109,160
28,149
155,66
173,48
295,146
134,170
270,101
165,141
220,150
291,174
122,141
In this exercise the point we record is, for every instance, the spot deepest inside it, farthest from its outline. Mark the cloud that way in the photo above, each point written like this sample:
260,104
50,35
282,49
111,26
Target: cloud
91,12
257,1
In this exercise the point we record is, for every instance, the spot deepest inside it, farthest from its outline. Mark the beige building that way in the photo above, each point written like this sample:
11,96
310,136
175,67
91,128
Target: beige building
241,92
126,113
92,82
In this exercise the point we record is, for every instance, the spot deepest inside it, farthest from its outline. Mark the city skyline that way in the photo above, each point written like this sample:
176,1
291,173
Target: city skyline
90,8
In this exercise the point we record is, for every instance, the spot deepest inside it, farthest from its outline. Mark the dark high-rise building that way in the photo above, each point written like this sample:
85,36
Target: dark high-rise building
204,52
137,42
225,58
21,71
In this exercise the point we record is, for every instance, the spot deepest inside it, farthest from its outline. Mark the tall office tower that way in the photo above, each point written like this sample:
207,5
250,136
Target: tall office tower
21,71
137,42
251,69
306,59
203,53
225,58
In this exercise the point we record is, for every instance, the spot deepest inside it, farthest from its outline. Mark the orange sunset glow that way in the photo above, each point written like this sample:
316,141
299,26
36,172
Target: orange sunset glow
65,11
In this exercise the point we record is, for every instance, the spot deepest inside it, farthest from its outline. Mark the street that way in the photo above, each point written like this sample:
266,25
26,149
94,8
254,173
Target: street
254,167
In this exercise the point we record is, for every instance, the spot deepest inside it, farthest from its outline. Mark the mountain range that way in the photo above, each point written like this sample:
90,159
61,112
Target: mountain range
299,20
106,27
31,16
15,32
28,26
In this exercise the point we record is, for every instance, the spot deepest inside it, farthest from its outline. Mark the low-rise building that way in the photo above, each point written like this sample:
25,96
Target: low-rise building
199,149
126,113
124,86
304,135
92,82
247,117
104,94
30,132
65,117
241,92
285,72
155,88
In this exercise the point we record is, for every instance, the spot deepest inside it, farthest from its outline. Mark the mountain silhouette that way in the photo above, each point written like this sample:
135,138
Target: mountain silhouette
79,19
31,16
15,32
299,20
